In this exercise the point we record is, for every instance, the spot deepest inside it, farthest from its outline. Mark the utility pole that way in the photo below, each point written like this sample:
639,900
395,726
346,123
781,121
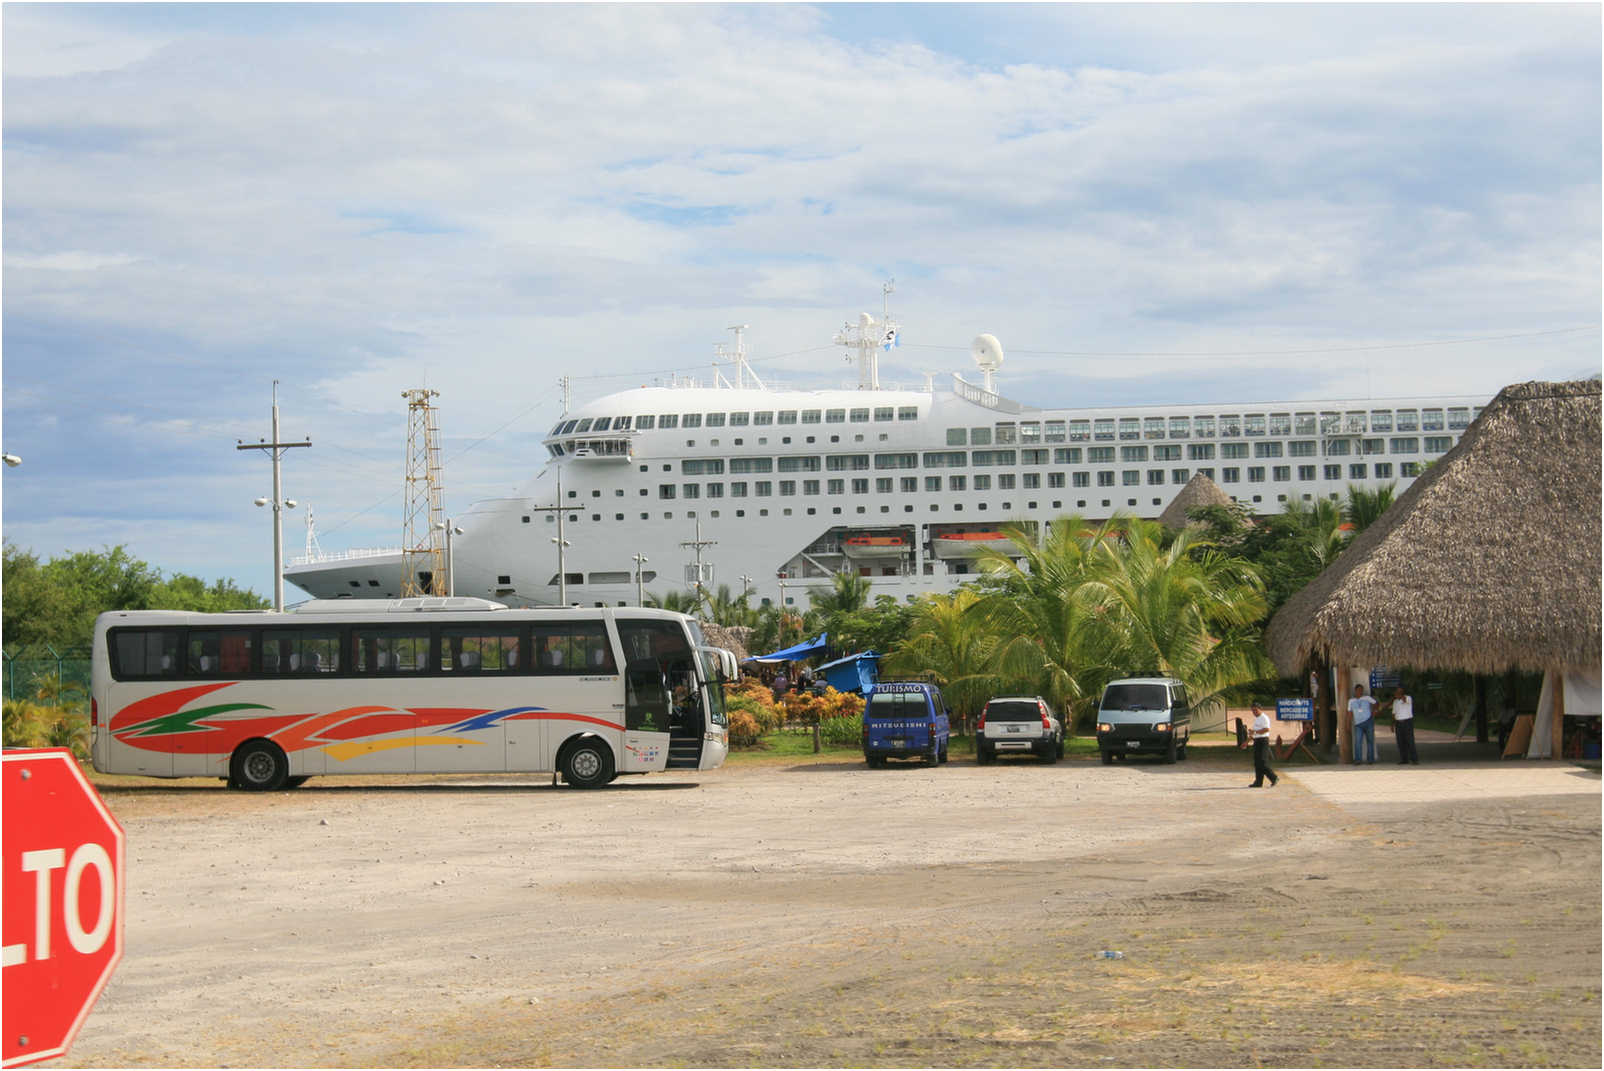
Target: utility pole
562,544
698,543
277,450
640,584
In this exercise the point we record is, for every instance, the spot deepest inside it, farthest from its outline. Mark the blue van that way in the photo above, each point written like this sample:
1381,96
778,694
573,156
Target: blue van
905,720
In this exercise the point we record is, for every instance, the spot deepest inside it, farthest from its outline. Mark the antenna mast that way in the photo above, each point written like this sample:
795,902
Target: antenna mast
868,336
421,539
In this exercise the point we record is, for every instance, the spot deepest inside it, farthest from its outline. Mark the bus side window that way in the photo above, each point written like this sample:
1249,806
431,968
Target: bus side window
146,653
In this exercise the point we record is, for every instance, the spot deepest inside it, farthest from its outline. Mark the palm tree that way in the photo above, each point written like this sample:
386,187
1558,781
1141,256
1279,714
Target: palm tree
1184,611
848,593
1364,507
726,610
1321,524
1046,642
681,602
947,639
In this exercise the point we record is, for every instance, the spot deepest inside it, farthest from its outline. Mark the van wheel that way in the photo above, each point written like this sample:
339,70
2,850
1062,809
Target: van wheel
1049,754
1169,752
258,766
943,755
1060,747
932,756
588,763
1108,757
1180,752
982,756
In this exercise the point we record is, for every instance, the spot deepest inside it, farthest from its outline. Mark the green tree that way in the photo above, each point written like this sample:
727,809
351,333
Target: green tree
1364,507
1185,610
1043,639
945,639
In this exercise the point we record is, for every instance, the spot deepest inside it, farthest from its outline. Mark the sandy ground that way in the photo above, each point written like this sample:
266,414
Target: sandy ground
824,914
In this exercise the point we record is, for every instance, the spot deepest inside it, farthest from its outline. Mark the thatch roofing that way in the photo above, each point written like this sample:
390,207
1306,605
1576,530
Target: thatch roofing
1199,491
731,638
1489,561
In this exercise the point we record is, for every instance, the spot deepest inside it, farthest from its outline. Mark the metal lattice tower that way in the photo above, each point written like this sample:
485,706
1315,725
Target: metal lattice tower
422,530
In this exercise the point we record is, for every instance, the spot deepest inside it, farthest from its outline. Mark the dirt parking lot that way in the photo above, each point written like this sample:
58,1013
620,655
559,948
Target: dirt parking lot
823,914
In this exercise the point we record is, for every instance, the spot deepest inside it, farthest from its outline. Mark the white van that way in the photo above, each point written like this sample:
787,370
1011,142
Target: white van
1144,716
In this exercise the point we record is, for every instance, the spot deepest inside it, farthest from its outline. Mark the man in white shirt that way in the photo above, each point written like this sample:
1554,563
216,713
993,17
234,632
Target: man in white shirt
1403,725
1363,709
1261,749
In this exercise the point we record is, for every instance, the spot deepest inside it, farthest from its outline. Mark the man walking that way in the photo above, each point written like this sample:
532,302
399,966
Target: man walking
1261,749
1403,726
1363,709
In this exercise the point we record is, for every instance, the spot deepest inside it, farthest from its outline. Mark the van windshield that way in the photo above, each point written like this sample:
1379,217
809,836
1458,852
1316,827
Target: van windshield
1136,697
1013,710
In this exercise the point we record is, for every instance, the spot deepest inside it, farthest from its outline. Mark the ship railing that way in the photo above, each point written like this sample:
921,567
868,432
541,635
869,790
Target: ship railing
345,555
981,396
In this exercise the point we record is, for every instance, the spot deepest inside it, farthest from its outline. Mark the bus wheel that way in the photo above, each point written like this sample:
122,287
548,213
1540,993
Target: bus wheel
297,781
587,764
258,766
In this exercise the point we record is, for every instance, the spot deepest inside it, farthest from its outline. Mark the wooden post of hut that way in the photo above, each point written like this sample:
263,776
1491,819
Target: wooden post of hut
1344,717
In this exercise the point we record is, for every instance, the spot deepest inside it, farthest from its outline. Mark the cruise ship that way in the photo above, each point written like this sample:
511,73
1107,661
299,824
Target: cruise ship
770,492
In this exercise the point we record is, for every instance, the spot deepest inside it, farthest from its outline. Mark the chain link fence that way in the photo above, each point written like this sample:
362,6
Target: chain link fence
46,676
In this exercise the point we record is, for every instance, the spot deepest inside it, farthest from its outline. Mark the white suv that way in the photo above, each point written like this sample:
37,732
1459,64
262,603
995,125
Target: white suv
1019,724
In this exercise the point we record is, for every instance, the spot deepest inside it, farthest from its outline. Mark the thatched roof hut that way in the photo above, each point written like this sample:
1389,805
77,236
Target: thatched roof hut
1199,491
1490,561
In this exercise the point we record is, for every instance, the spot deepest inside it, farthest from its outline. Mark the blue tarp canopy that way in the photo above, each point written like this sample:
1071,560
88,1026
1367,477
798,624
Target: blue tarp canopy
802,650
855,673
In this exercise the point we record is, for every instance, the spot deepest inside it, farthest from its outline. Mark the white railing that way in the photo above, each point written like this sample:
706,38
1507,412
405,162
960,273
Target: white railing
346,555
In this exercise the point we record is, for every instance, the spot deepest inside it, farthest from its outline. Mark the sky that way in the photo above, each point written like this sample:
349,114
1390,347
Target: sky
1144,203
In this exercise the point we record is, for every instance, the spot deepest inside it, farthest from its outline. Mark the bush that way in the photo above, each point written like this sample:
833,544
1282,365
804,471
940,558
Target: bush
842,730
29,724
743,728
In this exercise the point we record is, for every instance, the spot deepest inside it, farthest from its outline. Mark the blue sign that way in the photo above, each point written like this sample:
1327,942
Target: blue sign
1294,709
1383,679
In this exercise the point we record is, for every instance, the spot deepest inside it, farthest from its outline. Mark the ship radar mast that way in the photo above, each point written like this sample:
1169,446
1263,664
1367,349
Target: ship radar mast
736,357
869,336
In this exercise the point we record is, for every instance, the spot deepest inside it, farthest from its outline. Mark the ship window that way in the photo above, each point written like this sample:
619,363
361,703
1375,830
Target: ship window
836,487
1232,451
1405,445
1180,427
1166,453
1067,455
1007,433
1337,448
1153,427
665,491
1080,431
1458,418
811,416
955,483
1203,427
1103,429
945,459
1131,477
1301,448
1133,453
896,461
884,413
957,437
645,422
1230,425
1155,476
787,487
1370,446
751,464
980,436
1100,455
621,424
763,489
1356,471
983,483
1409,468
1053,431
909,484
1030,432
583,426
810,487
787,416
1080,479
1130,428
847,462
1055,480
1032,481
691,420
737,488
1030,457
1303,424
715,420
762,418
668,420
860,416
1408,420
1437,444
908,412
703,467
1231,474
1005,482
739,420
932,483
799,463
1266,449
1381,420
1280,423
1253,424
602,424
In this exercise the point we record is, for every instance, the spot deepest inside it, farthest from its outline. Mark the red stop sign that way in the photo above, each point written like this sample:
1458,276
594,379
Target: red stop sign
63,892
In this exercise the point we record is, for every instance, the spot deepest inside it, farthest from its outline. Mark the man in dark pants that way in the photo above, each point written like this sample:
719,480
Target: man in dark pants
1261,749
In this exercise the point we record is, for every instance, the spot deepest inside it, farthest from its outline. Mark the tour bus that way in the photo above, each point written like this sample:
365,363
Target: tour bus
433,685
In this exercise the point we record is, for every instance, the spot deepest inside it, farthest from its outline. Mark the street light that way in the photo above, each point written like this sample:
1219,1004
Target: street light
451,562
278,546
640,583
